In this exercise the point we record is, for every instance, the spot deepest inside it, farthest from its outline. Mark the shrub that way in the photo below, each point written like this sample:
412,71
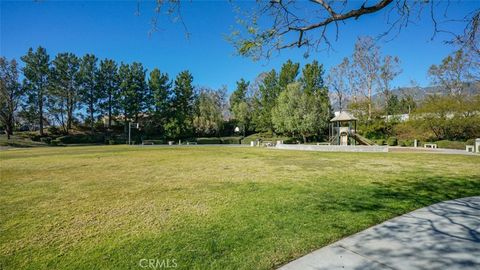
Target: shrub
470,142
209,141
54,130
450,144
392,141
380,142
46,140
407,143
80,139
231,140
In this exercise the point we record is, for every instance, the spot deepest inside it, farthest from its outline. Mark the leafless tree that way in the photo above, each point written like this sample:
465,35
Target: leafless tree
389,69
366,65
452,73
338,81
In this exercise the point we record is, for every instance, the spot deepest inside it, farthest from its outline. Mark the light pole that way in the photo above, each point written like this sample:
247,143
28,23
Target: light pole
135,125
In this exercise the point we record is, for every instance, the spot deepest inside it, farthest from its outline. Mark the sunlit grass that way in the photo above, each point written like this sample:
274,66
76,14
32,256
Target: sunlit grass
206,207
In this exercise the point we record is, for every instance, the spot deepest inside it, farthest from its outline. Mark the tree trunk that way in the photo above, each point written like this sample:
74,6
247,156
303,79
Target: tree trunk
40,108
8,129
304,138
109,112
69,118
91,118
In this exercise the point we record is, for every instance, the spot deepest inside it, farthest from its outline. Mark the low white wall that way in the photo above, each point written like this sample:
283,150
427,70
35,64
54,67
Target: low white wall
333,148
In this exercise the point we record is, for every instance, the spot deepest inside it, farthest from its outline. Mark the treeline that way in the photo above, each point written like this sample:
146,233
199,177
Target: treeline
69,91
362,84
284,102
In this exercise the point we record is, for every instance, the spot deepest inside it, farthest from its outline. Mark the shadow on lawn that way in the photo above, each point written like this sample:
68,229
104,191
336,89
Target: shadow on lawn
441,236
402,196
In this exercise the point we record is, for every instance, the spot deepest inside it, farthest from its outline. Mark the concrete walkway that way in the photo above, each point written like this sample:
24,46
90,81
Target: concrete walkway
442,236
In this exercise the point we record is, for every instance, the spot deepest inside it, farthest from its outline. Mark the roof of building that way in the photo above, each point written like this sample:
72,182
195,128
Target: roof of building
343,116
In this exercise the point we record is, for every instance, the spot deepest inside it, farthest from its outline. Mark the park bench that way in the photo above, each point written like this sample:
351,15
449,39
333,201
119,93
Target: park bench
430,145
146,142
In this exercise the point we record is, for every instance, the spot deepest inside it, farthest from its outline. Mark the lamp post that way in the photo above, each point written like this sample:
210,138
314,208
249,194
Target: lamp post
135,125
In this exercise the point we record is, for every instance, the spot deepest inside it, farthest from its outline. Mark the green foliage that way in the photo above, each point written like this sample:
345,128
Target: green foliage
10,94
452,117
239,95
452,72
88,86
288,74
36,72
380,142
80,139
160,90
108,87
53,130
408,143
209,140
182,106
451,144
208,117
264,101
300,112
133,90
392,141
64,89
46,140
231,140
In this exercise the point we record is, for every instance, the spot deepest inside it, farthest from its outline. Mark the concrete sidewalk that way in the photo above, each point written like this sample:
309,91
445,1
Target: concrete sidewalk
442,236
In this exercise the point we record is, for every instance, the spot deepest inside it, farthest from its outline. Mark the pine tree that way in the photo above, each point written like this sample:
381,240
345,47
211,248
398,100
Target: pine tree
88,91
36,72
64,88
108,84
288,74
264,101
183,98
11,93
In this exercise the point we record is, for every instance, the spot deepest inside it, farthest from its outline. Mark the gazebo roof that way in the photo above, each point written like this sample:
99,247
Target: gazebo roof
343,116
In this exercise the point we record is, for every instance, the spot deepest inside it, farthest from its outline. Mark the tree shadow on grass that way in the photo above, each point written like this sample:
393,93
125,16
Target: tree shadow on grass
441,236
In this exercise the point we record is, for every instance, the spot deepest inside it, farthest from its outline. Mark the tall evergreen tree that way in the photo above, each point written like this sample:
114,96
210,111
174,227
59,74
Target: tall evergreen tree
10,93
64,89
133,90
108,84
88,91
313,85
264,101
288,73
240,93
183,98
36,72
160,88
240,105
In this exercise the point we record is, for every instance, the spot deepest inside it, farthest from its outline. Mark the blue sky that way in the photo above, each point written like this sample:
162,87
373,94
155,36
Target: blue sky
113,30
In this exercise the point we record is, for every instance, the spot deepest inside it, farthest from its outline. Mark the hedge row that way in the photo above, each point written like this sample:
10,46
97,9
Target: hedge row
219,140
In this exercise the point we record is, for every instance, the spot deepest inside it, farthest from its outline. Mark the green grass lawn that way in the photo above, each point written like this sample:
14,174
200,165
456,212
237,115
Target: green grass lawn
108,207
